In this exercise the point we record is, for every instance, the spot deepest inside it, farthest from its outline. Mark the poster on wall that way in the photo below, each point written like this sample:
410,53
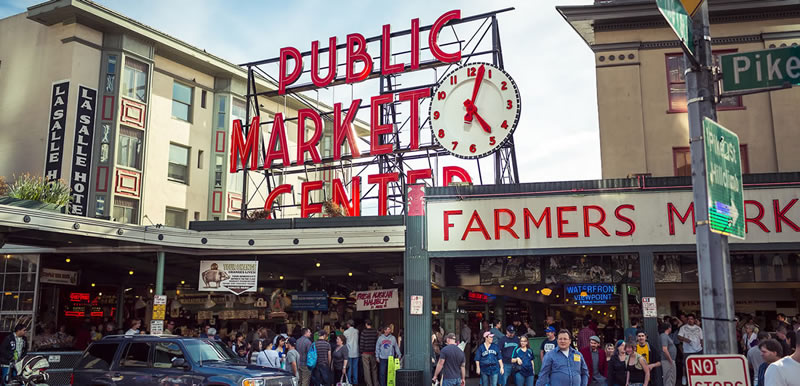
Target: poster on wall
82,151
513,270
383,299
309,301
224,275
55,130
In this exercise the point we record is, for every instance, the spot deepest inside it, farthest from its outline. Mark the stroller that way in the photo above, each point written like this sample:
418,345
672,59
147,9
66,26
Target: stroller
31,371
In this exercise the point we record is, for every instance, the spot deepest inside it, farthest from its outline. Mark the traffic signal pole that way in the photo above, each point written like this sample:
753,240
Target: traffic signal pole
713,255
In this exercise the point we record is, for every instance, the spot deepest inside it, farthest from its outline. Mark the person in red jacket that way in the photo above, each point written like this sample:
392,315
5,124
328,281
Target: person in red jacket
596,361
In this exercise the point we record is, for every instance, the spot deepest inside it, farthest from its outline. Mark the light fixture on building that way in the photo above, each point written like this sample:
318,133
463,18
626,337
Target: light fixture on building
581,306
130,272
538,292
598,311
502,286
613,308
515,288
558,296
93,284
100,294
591,308
151,290
280,277
526,289
509,257
318,264
183,282
68,260
434,312
349,274
177,292
546,291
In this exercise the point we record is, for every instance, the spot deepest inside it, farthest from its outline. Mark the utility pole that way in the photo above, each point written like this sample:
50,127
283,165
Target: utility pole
713,255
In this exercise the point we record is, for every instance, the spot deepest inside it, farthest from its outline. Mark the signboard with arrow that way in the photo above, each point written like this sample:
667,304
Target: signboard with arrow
724,180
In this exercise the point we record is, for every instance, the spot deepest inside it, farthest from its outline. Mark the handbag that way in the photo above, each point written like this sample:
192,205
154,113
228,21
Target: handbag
343,381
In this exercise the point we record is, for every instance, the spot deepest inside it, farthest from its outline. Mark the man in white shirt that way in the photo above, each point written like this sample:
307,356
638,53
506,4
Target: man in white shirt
351,334
691,335
786,371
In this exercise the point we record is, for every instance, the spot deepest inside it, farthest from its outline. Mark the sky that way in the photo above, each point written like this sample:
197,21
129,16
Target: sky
557,138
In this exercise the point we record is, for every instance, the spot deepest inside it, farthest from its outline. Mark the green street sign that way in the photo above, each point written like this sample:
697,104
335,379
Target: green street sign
679,20
724,180
779,67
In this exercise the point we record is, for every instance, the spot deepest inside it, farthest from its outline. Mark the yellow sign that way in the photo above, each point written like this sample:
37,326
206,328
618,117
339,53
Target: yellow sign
159,311
691,6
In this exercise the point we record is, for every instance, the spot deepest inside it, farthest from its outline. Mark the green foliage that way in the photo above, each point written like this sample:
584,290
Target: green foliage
28,187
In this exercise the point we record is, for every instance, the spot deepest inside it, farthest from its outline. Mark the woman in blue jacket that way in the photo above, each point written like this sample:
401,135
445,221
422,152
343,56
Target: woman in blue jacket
563,366
489,361
523,356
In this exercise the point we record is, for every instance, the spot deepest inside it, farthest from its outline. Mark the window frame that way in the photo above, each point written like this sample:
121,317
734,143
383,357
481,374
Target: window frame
184,212
189,106
715,53
134,209
123,132
123,81
687,150
187,165
123,355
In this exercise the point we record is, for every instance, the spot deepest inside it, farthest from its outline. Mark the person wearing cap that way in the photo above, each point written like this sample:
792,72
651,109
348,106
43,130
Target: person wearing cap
508,344
596,362
292,357
351,334
489,361
548,344
451,363
563,366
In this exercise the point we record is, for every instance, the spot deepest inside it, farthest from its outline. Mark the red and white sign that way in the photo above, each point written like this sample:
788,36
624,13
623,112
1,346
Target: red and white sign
383,299
595,220
717,370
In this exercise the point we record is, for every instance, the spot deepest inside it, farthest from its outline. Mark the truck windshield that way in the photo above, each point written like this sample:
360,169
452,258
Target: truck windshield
201,350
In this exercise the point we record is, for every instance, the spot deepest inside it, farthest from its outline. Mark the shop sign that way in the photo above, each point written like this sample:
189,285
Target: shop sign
649,308
717,370
82,150
478,297
598,220
416,304
309,301
383,299
55,131
58,276
226,275
592,294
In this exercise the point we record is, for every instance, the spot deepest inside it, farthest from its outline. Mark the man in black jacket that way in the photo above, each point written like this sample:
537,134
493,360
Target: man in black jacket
13,349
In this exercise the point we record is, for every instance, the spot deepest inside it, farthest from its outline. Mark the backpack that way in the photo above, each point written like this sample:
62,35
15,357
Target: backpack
311,357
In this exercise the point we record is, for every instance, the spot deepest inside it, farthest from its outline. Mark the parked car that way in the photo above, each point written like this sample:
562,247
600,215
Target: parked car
169,360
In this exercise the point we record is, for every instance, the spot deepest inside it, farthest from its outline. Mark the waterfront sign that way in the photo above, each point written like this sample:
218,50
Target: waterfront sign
717,370
724,180
591,294
775,68
679,20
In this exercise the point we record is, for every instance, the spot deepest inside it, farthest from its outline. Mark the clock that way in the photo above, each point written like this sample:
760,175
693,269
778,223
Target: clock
474,110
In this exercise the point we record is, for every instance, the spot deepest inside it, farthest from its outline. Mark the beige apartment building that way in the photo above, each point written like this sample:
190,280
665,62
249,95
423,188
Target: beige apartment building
641,92
163,112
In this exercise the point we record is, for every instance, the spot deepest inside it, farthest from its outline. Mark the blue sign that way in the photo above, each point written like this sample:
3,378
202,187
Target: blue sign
309,301
592,294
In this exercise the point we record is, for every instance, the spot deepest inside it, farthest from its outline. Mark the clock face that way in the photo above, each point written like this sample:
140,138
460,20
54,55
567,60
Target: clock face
474,110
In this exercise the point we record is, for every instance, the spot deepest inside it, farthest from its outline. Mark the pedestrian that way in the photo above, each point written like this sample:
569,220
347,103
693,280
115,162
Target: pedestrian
609,351
134,326
303,346
367,340
563,366
322,371
508,344
495,330
269,358
670,352
781,321
652,357
351,336
340,357
238,342
785,371
749,338
782,336
584,334
617,373
596,362
523,358
754,357
630,332
292,358
451,363
638,372
548,344
13,348
256,347
466,338
488,361
771,351
691,335
386,347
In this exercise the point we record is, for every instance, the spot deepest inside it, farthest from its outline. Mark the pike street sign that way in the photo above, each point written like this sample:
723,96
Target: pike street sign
724,180
679,20
779,67
691,6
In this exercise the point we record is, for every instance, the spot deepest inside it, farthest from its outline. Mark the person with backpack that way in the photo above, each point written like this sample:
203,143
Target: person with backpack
321,375
303,347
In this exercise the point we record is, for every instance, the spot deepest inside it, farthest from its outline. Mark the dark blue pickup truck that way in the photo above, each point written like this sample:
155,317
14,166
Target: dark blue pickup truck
169,360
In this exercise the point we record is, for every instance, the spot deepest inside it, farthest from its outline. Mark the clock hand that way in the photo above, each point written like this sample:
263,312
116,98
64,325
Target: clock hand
475,88
483,123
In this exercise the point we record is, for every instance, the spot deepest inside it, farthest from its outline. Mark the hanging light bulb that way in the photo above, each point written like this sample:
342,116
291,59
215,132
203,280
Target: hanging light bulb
93,284
318,264
349,274
68,260
130,272
280,277
183,282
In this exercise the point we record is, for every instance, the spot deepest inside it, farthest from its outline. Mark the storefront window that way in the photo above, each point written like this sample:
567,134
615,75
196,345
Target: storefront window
776,266
134,80
18,277
591,269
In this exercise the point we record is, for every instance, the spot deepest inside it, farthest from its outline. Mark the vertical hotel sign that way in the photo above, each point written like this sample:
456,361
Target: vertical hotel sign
82,150
55,130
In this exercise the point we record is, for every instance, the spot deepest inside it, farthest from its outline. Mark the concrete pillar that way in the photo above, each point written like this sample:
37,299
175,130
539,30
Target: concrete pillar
625,314
305,313
160,257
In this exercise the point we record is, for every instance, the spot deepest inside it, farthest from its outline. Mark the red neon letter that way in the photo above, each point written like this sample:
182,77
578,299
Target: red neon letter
528,218
672,210
757,219
627,220
285,79
344,130
413,97
780,216
598,224
281,189
377,129
307,208
475,218
311,145
413,175
414,44
387,68
278,135
242,149
322,82
434,34
561,221
357,54
448,172
383,180
340,196
447,224
507,227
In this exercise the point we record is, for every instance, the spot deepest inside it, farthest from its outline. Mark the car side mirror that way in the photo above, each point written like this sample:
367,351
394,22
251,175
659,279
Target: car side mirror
181,363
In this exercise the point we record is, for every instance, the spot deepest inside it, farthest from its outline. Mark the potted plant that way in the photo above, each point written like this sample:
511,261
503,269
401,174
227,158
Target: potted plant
36,193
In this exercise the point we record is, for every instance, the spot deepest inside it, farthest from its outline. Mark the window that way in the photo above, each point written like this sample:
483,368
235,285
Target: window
136,355
130,148
221,101
175,218
239,111
134,80
682,160
165,354
199,159
218,164
126,210
676,85
181,101
203,95
196,216
178,163
98,356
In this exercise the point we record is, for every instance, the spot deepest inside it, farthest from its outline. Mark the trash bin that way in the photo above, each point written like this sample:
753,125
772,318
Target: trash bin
407,377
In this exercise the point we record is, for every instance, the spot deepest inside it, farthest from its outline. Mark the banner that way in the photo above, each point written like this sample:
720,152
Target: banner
55,131
225,275
377,300
58,276
82,150
592,294
309,301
